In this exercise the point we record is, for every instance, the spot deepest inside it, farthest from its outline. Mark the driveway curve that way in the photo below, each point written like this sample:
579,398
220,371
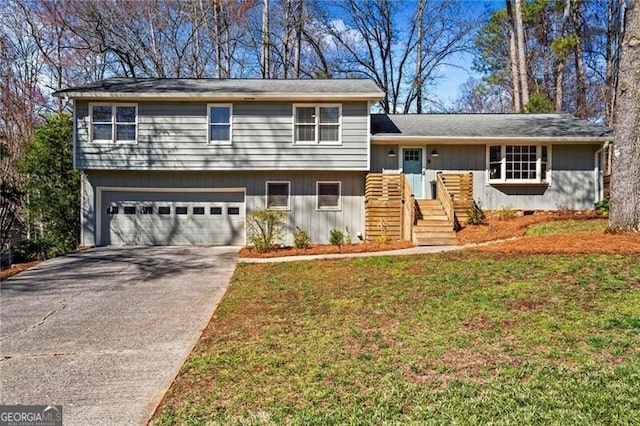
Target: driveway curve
103,332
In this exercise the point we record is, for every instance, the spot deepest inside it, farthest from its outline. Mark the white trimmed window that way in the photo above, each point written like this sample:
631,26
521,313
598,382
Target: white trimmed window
278,195
220,117
329,196
114,123
518,163
317,124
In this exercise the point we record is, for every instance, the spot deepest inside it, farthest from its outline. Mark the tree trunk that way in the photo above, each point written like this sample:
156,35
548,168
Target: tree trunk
581,79
522,59
421,4
562,58
625,178
513,60
615,30
266,63
298,44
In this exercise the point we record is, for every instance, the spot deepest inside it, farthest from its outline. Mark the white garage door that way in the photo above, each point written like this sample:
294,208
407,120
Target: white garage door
172,218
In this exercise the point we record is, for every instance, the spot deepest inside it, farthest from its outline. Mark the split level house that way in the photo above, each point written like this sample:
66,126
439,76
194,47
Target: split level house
184,161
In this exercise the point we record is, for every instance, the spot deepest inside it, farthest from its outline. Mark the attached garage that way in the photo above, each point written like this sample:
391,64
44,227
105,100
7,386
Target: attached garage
171,217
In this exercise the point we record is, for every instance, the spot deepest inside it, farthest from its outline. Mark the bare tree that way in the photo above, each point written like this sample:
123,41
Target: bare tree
561,53
625,177
615,31
266,43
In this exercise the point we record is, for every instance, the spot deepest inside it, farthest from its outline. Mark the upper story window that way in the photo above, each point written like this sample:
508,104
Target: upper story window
114,123
518,163
278,194
220,118
317,124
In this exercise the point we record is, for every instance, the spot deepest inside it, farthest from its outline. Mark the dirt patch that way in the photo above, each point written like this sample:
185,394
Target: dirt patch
495,229
16,269
246,252
577,243
513,230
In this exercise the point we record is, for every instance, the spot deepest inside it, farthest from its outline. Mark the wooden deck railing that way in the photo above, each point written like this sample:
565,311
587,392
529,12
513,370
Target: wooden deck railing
445,198
408,210
389,207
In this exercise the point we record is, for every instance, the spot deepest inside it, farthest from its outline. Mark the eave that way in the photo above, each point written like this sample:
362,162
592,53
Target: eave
483,140
218,96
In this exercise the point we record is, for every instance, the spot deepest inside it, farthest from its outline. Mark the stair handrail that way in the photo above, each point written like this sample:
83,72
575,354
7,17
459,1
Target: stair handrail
445,198
408,209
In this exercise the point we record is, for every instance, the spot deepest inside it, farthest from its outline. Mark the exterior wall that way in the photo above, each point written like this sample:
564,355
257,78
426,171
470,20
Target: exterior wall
173,136
303,211
573,181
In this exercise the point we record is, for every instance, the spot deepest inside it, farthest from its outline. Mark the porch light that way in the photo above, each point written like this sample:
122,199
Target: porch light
435,153
392,154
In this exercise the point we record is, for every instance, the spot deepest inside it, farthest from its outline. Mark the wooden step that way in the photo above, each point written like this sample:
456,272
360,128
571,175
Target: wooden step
435,239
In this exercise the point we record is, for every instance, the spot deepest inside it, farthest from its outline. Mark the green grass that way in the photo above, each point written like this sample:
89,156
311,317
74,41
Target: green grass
455,338
568,226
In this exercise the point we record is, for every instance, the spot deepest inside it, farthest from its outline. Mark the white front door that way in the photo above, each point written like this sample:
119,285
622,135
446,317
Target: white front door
412,168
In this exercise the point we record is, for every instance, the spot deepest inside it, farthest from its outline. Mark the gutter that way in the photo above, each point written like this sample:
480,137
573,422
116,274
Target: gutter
482,140
222,96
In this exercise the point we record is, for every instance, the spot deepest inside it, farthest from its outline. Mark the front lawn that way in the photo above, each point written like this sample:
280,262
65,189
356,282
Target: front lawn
454,338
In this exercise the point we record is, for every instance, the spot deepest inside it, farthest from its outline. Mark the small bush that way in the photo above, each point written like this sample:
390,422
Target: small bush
336,237
382,239
602,207
265,227
476,215
301,238
347,236
506,213
29,250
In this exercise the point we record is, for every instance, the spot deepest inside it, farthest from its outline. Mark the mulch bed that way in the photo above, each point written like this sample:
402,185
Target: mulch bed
326,249
16,269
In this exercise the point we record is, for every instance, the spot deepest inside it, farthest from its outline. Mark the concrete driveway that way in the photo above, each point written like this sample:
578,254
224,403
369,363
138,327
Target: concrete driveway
104,332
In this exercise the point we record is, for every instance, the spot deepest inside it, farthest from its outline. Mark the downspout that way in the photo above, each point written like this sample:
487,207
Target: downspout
598,177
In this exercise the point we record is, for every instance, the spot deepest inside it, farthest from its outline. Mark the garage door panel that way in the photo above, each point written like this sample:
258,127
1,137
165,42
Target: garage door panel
161,218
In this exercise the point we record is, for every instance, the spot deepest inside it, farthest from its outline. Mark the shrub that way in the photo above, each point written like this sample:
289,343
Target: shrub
506,213
336,237
265,228
476,215
301,238
347,235
383,238
602,206
29,250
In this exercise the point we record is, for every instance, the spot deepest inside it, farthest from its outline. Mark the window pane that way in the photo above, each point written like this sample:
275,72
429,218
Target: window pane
232,211
101,113
181,210
102,132
305,115
329,115
146,210
495,154
126,114
329,133
220,132
306,133
215,210
198,210
126,132
278,195
112,210
164,210
328,195
220,114
129,210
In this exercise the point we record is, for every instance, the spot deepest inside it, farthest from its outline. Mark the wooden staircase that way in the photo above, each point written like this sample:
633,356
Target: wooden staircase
433,227
392,213
460,188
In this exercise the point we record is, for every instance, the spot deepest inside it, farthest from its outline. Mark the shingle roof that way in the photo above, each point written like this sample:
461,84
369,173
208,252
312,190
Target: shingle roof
485,125
230,88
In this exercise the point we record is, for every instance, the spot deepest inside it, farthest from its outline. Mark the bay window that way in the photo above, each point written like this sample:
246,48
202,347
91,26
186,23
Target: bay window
518,163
